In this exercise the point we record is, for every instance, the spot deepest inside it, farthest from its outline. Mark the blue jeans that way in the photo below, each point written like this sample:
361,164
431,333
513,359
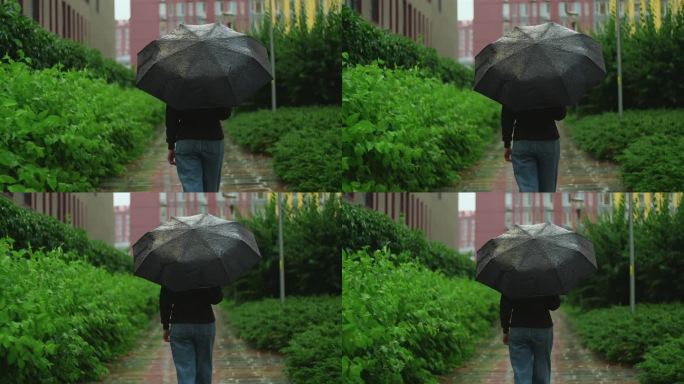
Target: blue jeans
191,347
530,353
198,163
535,165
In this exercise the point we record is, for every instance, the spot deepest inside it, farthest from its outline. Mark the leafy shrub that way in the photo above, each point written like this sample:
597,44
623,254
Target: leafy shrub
651,62
364,44
34,230
659,256
405,323
306,329
663,364
304,142
59,321
607,137
311,245
365,228
313,356
654,163
648,144
309,160
308,60
62,131
406,131
622,337
270,324
22,38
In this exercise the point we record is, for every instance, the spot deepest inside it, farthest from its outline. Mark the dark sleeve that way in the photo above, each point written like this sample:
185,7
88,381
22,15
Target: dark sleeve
553,302
172,126
215,295
505,310
507,120
165,304
223,113
559,113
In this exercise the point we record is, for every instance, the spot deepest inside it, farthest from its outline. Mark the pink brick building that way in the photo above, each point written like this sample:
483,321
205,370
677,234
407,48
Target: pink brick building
493,18
150,19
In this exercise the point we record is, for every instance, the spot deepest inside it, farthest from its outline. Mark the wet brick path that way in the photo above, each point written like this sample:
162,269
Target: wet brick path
242,171
578,171
570,362
234,361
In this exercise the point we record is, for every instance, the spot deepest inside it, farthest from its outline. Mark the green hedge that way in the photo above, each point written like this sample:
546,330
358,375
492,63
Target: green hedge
663,364
66,131
652,59
33,230
305,329
364,228
648,144
304,143
659,256
405,324
308,60
406,131
364,44
22,38
59,321
311,234
621,337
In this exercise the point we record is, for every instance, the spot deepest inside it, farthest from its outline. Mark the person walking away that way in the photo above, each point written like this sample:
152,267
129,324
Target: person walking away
189,325
536,147
528,332
195,143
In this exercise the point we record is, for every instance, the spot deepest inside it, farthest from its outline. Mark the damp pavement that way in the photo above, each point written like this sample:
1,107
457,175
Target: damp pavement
571,363
577,170
243,171
235,362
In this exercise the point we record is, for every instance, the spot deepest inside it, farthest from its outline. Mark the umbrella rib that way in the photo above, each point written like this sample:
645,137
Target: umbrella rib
562,79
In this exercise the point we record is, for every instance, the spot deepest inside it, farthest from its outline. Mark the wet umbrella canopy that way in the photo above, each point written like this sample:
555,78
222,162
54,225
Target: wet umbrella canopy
535,260
539,66
195,252
203,66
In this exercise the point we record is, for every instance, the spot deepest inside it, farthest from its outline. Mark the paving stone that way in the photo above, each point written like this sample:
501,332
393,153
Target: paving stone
234,361
577,170
570,362
242,171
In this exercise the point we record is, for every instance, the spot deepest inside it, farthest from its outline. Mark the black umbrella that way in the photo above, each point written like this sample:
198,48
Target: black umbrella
203,66
195,252
539,66
535,260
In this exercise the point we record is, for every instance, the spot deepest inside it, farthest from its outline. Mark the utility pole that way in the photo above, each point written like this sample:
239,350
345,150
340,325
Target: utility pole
631,254
273,84
281,263
618,20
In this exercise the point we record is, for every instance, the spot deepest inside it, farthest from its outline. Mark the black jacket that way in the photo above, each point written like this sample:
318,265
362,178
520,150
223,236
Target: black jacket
530,312
194,124
535,124
192,306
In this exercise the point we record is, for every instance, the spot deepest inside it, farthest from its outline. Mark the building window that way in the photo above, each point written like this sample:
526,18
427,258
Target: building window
36,10
506,11
200,11
561,9
439,6
545,11
524,10
509,201
97,6
217,9
162,28
533,6
180,9
162,11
